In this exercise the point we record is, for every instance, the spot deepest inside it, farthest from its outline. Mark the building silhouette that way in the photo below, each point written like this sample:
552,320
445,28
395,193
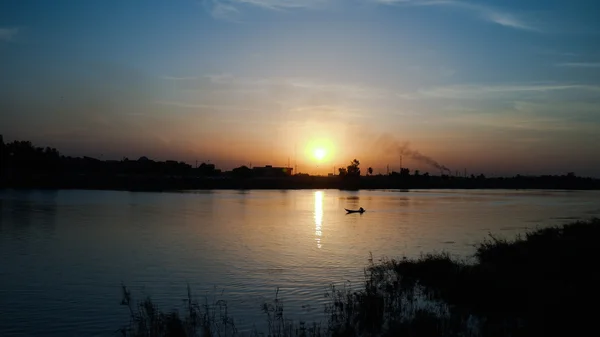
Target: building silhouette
271,171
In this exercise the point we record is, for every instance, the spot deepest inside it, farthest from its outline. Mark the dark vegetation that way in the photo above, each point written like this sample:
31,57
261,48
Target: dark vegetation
542,284
22,165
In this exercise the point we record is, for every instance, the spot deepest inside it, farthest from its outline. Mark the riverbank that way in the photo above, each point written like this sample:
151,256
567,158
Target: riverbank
544,283
173,183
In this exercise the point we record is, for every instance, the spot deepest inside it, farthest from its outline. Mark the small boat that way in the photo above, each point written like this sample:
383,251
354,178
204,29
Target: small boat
360,210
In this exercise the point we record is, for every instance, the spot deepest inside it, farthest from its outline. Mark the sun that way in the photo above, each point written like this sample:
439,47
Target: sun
320,153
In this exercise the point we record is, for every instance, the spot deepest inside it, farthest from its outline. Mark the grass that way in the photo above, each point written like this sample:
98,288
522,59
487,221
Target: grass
208,319
544,283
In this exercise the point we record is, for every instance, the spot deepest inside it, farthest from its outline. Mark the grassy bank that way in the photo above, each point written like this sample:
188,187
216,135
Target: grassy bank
544,283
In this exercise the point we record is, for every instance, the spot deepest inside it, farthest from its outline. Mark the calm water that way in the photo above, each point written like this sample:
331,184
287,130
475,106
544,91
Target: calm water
64,254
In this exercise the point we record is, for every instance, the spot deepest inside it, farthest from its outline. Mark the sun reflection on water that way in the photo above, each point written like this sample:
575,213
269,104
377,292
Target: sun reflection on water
318,217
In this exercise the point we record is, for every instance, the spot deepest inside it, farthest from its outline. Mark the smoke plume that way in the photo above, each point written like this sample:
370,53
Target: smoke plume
389,144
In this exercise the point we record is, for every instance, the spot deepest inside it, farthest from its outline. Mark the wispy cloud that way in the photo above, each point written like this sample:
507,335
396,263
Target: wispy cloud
553,52
187,105
175,78
579,64
571,110
223,10
231,9
220,78
517,122
413,2
483,91
350,90
7,34
506,19
280,4
486,13
327,112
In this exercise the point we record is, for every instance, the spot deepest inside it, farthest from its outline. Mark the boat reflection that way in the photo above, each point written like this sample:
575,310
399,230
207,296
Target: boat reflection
318,217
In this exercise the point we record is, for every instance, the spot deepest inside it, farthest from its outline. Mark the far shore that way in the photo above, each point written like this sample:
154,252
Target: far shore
174,183
25,166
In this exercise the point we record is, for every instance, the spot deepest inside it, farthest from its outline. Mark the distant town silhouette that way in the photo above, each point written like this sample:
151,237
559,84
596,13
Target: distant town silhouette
23,165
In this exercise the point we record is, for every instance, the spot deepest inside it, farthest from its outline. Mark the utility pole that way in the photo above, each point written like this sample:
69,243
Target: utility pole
400,171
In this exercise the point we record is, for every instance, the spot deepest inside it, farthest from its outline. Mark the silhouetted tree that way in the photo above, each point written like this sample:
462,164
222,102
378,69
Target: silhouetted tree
370,170
404,172
23,157
343,172
206,169
353,169
417,173
2,157
242,171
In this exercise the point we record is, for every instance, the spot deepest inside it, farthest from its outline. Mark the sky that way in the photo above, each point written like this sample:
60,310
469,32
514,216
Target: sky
495,87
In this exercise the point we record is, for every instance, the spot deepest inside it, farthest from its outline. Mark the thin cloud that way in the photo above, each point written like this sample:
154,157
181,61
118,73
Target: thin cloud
353,90
230,9
553,52
477,91
483,12
278,4
174,78
222,10
507,20
579,64
350,90
413,2
187,105
220,78
7,34
327,112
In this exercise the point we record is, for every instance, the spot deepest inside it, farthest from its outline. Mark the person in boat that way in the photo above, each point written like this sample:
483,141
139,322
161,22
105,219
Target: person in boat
361,209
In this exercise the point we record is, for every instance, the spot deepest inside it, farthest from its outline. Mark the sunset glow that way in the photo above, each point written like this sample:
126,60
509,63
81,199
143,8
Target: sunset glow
317,83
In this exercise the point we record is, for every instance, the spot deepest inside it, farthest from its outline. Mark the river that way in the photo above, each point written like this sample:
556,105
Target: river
64,254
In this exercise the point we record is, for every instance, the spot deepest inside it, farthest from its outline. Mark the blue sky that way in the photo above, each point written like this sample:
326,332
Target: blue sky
499,87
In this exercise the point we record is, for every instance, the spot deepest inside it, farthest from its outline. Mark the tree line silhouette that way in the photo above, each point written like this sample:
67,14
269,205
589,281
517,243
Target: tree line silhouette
23,165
